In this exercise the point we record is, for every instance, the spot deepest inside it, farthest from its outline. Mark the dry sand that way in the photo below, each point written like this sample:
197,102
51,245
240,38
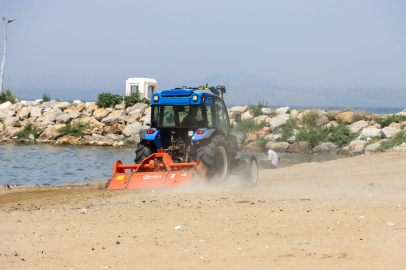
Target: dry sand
342,214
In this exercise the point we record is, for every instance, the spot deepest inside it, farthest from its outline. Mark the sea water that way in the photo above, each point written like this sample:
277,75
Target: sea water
47,164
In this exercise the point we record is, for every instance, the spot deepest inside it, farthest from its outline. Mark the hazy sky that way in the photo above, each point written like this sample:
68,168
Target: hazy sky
64,46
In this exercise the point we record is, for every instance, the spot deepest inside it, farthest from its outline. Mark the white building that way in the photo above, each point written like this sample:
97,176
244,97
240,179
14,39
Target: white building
145,86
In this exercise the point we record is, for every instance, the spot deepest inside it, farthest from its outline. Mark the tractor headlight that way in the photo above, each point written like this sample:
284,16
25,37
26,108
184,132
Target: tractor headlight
190,133
156,98
194,98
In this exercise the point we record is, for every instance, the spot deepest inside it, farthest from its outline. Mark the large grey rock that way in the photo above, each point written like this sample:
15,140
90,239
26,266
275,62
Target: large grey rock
47,104
12,121
403,125
61,105
356,147
279,120
326,148
321,121
246,115
370,149
114,117
283,110
294,114
389,132
30,103
115,137
101,113
132,141
50,116
51,133
113,129
292,139
67,117
358,126
132,129
277,146
4,113
9,132
146,120
138,106
36,111
133,118
251,147
25,112
6,105
261,118
16,107
1,127
238,109
300,147
273,137
401,147
120,106
266,111
372,132
77,102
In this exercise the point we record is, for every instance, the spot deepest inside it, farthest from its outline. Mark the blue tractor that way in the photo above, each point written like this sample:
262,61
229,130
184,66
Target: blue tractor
192,124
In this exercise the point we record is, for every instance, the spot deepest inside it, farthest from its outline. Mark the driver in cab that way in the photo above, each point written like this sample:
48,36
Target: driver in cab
190,120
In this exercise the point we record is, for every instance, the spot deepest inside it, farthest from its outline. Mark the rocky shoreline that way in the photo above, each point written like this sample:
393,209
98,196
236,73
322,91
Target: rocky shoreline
368,133
121,126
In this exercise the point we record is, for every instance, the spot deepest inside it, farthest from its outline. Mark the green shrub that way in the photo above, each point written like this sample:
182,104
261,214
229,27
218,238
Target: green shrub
261,142
106,100
309,118
331,115
340,135
385,122
7,95
311,134
29,129
286,130
256,110
399,138
135,98
46,97
75,129
249,125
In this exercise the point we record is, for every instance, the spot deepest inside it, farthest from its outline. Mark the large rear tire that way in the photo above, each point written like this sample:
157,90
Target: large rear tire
214,156
143,151
248,170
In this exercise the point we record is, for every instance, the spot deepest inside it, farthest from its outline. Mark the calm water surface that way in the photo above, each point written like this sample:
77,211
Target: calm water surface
59,164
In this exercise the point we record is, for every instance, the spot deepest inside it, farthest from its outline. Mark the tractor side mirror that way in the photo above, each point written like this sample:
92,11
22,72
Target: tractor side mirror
238,117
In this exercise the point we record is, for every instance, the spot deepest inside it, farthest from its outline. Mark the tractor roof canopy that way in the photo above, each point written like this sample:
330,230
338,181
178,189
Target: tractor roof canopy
186,96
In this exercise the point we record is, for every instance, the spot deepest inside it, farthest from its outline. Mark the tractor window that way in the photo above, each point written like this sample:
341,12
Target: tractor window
222,115
217,115
176,116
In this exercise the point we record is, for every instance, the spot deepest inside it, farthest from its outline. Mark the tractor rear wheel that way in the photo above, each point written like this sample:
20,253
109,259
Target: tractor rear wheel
143,151
248,170
214,156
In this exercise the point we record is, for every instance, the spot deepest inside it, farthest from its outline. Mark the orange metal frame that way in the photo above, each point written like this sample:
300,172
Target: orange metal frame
152,164
157,170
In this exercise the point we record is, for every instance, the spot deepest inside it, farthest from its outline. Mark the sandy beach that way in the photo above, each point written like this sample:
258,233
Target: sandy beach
342,214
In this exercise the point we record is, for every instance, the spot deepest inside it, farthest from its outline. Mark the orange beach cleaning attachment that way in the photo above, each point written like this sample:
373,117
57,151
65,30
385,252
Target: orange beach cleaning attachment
157,170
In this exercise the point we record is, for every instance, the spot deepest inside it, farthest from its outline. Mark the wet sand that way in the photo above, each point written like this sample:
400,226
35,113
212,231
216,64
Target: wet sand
341,214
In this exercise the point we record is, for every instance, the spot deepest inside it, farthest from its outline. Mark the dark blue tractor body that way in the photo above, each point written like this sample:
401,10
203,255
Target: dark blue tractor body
192,124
